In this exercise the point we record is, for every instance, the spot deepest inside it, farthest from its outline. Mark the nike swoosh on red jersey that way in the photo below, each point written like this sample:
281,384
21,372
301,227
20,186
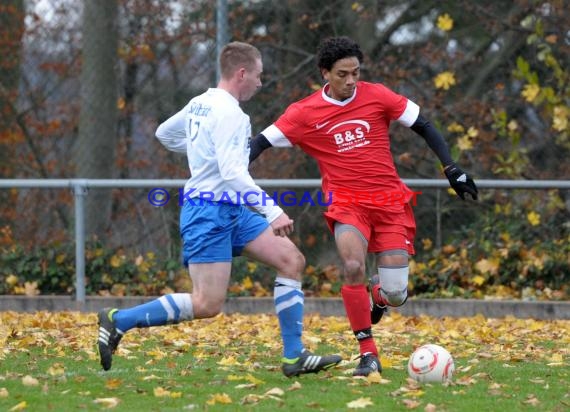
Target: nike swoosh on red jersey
320,126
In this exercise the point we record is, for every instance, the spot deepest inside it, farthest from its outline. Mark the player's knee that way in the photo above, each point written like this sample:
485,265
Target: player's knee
394,297
289,262
353,269
210,312
207,308
293,261
394,284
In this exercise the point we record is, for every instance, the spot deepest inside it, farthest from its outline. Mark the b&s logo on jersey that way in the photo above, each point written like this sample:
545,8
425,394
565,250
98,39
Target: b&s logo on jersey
350,134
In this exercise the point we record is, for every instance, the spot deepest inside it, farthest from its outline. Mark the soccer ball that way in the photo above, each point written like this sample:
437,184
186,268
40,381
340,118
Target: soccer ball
431,363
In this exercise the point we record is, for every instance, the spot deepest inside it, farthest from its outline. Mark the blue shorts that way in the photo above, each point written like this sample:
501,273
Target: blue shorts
215,232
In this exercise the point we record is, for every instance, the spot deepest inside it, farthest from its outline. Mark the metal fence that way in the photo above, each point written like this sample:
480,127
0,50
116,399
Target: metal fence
80,189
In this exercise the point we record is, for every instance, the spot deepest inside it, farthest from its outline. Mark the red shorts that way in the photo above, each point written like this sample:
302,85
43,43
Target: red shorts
384,230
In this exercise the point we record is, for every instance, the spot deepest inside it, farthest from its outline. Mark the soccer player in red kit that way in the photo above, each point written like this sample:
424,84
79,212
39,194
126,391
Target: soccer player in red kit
344,126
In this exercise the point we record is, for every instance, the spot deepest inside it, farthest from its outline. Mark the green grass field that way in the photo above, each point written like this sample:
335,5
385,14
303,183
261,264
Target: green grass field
48,362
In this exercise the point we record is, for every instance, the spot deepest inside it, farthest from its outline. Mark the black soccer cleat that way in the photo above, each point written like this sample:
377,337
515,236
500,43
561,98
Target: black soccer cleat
368,364
109,337
309,363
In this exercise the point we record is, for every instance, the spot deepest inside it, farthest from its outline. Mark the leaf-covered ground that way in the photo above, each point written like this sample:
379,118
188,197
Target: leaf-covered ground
53,350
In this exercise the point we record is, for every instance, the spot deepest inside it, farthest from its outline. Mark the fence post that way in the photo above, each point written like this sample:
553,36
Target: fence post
221,32
79,193
438,234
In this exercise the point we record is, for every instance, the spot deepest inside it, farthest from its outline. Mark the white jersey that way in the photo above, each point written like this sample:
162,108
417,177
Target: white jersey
215,133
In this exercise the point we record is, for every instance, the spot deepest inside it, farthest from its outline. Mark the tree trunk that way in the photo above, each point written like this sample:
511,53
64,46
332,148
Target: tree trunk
11,31
95,151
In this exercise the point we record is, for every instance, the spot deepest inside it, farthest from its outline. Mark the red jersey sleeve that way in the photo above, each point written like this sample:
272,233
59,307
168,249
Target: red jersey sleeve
291,123
393,103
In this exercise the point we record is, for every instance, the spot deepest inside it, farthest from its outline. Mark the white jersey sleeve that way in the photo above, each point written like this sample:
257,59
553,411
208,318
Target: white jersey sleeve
410,114
172,133
276,137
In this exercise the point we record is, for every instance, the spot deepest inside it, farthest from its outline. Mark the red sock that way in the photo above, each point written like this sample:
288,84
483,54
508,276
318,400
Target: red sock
357,306
377,296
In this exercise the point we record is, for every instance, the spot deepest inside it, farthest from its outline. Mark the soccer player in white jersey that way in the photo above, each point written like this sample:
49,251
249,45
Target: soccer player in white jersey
216,225
344,126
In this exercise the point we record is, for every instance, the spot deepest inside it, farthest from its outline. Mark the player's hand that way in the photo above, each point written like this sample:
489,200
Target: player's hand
282,226
461,182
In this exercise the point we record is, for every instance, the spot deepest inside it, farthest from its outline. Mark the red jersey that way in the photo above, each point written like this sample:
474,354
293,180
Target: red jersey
350,142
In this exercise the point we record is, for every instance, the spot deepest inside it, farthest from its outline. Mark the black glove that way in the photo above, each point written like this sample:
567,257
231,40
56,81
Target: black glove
461,182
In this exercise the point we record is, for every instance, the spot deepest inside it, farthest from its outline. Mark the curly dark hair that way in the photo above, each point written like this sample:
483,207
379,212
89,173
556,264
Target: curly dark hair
333,49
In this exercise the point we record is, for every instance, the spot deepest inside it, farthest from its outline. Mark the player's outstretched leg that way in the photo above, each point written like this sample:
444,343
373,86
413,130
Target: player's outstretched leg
308,362
109,337
113,323
377,308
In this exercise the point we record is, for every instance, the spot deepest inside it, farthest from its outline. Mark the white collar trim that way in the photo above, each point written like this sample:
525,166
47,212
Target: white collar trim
329,99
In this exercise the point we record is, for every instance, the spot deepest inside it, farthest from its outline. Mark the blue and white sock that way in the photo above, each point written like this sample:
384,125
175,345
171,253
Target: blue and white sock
289,304
167,309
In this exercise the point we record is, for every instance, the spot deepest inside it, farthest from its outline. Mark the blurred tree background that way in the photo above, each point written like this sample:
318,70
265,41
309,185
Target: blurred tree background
83,86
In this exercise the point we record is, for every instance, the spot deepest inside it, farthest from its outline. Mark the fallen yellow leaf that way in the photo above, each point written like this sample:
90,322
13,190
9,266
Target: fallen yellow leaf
532,400
360,403
160,392
410,403
57,369
113,383
374,377
228,361
275,392
219,398
295,386
249,377
246,386
151,377
19,407
430,407
29,381
107,403
250,399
